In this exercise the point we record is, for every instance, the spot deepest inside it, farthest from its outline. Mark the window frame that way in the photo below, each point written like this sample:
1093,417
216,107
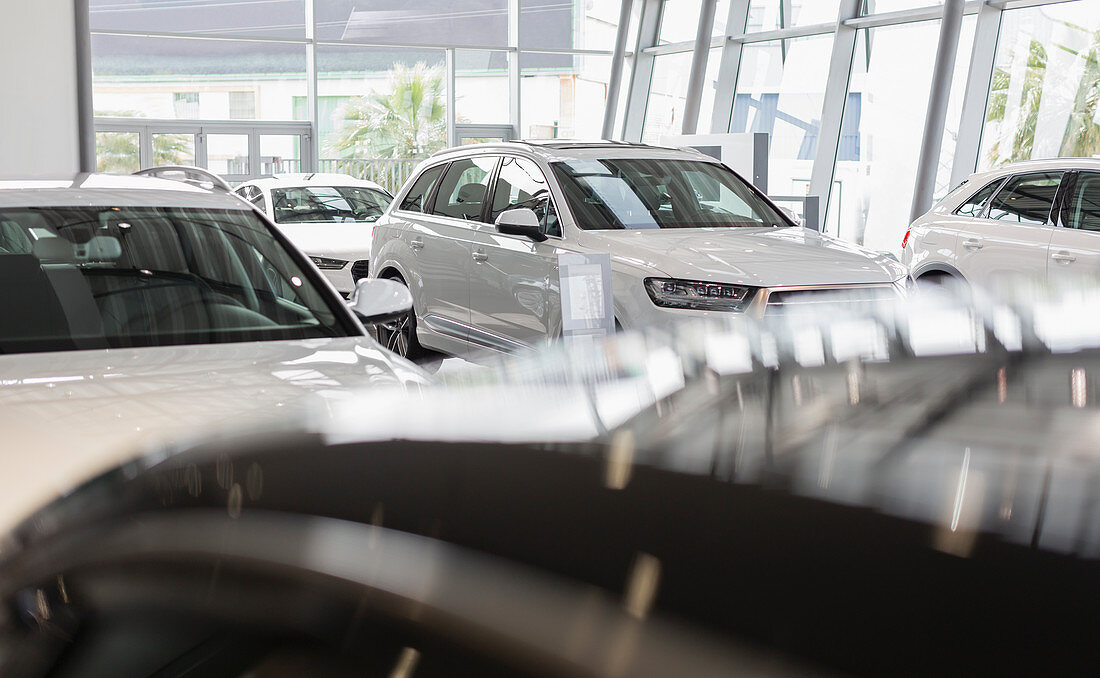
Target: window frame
549,190
998,184
1067,190
429,197
1055,205
490,186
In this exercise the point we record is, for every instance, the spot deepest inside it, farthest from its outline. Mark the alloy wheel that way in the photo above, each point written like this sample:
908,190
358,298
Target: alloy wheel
396,335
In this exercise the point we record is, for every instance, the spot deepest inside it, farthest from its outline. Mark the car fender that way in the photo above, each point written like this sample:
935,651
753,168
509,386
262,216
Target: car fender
936,267
396,255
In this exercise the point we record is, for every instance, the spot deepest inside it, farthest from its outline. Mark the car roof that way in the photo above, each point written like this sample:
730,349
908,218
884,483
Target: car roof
552,150
311,179
114,190
1049,164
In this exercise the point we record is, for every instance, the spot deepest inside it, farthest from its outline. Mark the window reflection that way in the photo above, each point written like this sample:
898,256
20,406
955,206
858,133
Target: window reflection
1042,100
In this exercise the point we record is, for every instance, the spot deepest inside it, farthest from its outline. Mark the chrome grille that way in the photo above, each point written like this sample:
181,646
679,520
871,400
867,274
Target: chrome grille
854,298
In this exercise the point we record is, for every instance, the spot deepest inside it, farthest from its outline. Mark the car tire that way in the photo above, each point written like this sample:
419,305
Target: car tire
399,335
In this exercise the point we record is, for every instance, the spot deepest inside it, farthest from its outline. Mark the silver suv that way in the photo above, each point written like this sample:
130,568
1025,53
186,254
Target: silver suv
1036,220
477,231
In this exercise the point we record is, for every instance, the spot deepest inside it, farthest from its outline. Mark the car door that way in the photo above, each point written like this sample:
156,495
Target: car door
1075,247
514,300
1010,240
441,241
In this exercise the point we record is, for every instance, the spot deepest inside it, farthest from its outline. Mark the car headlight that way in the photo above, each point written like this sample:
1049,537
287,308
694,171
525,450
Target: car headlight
700,296
327,264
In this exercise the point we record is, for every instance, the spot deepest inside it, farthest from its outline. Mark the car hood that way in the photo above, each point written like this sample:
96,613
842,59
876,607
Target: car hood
67,416
343,241
764,257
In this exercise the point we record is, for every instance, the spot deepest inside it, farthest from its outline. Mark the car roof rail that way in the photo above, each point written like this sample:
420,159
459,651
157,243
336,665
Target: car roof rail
195,176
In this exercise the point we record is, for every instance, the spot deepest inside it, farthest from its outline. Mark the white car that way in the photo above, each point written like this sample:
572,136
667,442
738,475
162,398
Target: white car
327,216
476,233
1036,220
138,310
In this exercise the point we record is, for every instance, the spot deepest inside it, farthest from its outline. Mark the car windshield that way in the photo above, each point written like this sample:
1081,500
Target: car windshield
107,277
328,204
658,193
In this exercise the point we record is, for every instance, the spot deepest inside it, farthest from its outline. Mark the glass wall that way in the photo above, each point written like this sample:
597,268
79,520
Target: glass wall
780,90
196,79
887,102
250,18
379,102
382,71
1042,97
667,94
563,96
469,23
1046,85
771,15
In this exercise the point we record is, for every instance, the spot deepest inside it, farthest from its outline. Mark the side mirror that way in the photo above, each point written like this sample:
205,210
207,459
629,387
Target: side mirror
520,221
789,213
376,300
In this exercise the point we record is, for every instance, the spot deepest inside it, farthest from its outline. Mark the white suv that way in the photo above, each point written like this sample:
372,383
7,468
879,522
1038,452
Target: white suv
1036,220
476,232
327,216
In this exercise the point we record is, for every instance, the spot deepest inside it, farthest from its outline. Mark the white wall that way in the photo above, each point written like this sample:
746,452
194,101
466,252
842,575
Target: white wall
38,113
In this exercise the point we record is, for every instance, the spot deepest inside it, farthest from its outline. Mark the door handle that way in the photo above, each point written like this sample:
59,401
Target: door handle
1063,257
416,244
480,257
973,244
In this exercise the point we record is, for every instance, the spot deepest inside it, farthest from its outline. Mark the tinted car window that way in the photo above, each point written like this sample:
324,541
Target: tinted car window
974,206
462,190
522,184
259,200
105,277
417,196
1083,205
324,204
1026,199
652,193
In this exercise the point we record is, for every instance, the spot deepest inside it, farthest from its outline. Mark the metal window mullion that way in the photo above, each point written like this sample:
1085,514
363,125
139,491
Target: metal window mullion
254,168
698,75
202,157
611,106
904,16
832,113
311,150
976,96
935,121
145,147
452,137
514,100
85,123
642,72
730,65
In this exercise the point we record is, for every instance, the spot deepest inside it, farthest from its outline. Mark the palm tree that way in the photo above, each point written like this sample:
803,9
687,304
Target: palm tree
1082,132
117,152
1023,140
1082,137
407,121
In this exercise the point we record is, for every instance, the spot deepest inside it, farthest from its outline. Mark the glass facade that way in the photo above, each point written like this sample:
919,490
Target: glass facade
386,69
771,15
196,79
780,90
379,102
1046,84
886,108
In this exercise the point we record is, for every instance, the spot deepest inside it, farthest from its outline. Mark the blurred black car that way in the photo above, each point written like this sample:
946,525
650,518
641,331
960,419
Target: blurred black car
803,504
